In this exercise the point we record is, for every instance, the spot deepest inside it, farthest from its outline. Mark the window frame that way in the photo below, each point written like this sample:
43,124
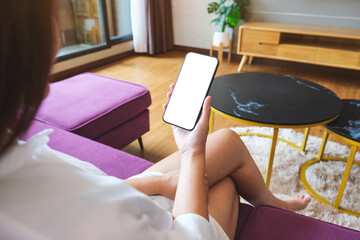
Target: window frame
108,41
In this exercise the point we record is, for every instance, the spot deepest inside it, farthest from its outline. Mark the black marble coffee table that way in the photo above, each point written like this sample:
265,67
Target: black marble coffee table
346,127
272,100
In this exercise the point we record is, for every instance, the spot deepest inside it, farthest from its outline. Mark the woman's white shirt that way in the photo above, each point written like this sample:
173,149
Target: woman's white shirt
45,194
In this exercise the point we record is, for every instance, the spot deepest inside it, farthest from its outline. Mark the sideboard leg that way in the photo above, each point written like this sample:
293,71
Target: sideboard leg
242,63
251,58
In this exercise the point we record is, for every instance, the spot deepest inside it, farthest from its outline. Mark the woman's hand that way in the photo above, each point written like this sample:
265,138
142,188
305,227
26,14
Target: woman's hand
195,140
165,185
169,183
192,189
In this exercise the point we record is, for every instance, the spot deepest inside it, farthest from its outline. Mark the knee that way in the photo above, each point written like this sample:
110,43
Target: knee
225,187
229,136
229,184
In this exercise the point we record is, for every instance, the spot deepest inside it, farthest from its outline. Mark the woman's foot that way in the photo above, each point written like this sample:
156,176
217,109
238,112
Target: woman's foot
297,203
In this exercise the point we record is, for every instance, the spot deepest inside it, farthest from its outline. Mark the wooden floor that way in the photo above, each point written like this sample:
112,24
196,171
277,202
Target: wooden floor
156,73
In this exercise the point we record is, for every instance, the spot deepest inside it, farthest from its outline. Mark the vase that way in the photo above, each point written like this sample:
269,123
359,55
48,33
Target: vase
220,37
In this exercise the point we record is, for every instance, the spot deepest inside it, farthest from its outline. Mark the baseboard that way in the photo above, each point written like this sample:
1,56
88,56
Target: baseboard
88,66
234,57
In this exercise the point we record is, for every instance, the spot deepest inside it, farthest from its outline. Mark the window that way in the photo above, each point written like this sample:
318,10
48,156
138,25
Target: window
91,25
119,19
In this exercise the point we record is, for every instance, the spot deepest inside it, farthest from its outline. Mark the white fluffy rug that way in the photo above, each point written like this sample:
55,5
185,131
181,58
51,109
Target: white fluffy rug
324,177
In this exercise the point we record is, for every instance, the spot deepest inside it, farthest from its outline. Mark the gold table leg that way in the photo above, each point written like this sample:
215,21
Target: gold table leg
349,162
211,123
323,145
306,136
345,176
272,155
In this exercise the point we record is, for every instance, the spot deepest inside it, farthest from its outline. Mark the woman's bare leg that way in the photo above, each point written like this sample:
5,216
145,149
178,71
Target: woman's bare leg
223,205
226,155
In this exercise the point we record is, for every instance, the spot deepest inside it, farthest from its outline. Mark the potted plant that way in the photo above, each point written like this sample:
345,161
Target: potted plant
229,13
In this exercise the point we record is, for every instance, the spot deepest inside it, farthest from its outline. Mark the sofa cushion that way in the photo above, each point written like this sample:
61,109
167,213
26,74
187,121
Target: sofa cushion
270,223
112,161
90,105
244,212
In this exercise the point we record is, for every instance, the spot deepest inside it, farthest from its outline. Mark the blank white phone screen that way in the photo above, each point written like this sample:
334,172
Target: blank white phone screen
190,90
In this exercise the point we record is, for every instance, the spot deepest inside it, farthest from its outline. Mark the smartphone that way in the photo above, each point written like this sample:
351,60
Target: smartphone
191,88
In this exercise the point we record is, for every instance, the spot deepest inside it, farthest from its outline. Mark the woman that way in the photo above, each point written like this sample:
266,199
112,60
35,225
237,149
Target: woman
49,195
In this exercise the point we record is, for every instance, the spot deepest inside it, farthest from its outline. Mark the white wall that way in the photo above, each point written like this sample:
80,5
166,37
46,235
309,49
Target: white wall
192,26
191,23
344,13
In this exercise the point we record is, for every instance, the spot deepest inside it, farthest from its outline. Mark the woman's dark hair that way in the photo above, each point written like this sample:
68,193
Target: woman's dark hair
26,53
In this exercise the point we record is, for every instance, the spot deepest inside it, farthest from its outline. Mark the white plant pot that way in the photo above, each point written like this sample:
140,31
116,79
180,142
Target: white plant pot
220,37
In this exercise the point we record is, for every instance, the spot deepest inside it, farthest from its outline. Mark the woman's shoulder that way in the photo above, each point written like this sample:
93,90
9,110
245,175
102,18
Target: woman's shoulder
36,153
21,153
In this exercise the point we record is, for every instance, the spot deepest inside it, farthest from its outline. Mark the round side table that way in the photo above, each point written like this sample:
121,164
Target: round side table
273,100
347,128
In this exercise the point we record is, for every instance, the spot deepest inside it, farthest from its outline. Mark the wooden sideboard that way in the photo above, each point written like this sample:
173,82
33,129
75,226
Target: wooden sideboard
329,46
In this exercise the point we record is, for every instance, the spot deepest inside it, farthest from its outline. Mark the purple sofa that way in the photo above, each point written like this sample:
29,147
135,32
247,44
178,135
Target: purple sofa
84,122
261,222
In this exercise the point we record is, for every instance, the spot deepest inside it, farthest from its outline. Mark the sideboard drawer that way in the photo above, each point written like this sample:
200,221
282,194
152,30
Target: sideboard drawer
264,42
296,52
337,56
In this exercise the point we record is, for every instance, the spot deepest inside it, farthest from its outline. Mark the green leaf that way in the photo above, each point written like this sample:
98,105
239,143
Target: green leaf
217,21
228,15
213,7
228,10
234,17
245,2
223,10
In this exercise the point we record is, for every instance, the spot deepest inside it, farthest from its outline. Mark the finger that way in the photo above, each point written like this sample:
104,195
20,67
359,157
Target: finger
205,115
168,95
172,86
164,106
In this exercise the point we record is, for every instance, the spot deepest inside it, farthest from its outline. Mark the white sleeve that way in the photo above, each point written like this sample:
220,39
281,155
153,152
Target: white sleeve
195,225
185,227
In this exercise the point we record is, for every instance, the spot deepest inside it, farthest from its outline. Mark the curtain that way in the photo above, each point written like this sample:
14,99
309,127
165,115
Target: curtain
138,9
160,26
156,29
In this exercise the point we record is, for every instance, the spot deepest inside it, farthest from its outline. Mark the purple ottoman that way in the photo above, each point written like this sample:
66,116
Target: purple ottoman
106,110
